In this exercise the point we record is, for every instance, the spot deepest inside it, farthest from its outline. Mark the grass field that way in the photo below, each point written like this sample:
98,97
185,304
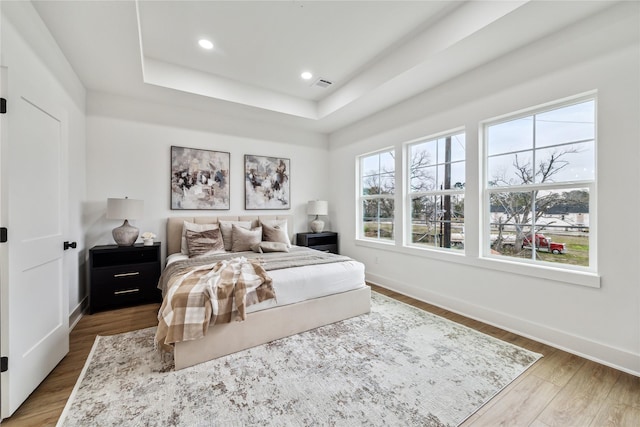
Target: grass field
577,245
577,250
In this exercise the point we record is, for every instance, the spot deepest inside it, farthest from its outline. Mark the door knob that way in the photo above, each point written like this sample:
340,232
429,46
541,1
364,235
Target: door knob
68,245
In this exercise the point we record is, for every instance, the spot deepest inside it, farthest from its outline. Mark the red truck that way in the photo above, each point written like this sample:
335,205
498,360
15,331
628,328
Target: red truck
542,243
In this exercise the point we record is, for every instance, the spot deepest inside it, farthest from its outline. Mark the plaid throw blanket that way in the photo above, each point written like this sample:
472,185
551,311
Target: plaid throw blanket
210,294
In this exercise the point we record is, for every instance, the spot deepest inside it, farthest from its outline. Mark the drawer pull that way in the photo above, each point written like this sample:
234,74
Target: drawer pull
126,274
128,291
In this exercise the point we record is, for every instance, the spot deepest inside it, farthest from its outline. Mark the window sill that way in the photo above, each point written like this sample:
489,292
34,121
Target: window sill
575,277
581,278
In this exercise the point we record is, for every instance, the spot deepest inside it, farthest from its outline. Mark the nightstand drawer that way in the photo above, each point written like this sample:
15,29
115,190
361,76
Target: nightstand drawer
130,255
117,287
124,275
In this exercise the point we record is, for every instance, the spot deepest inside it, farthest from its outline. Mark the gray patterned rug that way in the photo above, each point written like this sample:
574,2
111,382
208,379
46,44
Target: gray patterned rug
395,366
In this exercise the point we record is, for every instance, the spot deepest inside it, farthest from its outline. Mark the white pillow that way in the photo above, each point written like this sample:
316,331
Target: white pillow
186,225
225,228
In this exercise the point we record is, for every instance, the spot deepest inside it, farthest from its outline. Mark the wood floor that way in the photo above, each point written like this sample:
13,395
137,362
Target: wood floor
559,390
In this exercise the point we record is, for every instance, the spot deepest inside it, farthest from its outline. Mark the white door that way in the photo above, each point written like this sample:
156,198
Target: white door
34,328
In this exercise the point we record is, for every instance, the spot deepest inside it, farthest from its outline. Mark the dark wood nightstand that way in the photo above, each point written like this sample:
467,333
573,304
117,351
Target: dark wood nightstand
123,275
327,241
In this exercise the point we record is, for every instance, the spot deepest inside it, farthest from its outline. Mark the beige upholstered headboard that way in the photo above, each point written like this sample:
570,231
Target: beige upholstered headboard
174,226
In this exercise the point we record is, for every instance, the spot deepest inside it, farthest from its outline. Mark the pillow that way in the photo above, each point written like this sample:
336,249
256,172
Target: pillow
282,223
193,227
243,239
275,232
225,227
270,247
204,242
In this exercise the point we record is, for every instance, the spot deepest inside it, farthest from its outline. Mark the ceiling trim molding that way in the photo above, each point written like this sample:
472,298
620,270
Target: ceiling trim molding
184,79
389,71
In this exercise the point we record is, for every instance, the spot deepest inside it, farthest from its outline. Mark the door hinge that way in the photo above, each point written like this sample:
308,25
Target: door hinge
3,234
3,105
4,364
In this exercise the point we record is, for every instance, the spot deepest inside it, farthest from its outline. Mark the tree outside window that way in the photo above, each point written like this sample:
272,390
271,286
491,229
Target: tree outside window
436,176
539,181
377,190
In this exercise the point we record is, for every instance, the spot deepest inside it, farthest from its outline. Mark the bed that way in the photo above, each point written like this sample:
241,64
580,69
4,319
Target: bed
307,296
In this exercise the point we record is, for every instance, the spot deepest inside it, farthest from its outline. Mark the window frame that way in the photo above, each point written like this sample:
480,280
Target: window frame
361,197
409,195
591,185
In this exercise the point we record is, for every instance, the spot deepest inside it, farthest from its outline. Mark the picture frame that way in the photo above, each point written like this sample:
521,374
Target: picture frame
267,182
199,179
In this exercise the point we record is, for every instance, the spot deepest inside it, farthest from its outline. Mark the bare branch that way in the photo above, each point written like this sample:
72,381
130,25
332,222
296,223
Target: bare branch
555,163
524,171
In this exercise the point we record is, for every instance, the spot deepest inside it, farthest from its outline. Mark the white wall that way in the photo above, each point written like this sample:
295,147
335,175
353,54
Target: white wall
603,323
28,49
128,154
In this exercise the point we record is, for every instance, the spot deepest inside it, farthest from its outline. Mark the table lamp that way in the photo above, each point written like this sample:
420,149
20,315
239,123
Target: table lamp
317,207
125,235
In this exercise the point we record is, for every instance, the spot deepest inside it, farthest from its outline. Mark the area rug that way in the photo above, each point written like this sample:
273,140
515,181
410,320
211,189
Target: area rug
397,365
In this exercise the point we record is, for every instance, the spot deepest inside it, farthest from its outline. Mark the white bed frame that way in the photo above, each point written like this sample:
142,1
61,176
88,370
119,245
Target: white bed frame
267,325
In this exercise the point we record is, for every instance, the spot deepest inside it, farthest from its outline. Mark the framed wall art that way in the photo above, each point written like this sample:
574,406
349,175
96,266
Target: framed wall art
267,182
199,179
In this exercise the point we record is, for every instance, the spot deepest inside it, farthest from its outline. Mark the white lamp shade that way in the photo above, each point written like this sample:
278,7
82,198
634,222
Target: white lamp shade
125,208
317,207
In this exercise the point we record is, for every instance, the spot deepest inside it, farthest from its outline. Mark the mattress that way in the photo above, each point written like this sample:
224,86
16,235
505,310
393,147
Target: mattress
293,285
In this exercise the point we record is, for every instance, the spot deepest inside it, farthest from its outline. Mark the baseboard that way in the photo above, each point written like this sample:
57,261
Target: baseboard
592,350
77,313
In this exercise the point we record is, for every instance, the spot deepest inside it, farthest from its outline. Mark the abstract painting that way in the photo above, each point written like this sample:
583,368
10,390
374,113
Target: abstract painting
267,182
199,179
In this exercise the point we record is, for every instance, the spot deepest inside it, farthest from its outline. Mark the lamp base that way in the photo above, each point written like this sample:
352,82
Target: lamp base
317,225
125,235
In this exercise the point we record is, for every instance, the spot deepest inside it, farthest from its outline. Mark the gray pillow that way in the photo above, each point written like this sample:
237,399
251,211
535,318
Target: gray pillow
270,247
243,239
275,233
227,231
186,225
204,242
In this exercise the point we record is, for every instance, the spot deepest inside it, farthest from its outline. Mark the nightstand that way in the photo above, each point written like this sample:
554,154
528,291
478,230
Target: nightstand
327,241
123,275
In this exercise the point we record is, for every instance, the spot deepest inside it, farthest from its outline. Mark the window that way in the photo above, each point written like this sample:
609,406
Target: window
377,189
540,183
436,181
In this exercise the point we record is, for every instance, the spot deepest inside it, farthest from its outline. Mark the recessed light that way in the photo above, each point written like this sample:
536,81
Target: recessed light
306,75
205,44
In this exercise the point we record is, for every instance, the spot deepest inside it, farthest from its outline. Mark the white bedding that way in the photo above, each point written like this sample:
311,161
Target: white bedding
297,284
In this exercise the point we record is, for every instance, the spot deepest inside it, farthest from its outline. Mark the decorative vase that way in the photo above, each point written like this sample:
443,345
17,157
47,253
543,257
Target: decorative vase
317,225
148,242
125,235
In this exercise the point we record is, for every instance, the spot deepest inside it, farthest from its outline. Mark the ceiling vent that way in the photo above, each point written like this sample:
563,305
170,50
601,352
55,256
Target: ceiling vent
323,83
